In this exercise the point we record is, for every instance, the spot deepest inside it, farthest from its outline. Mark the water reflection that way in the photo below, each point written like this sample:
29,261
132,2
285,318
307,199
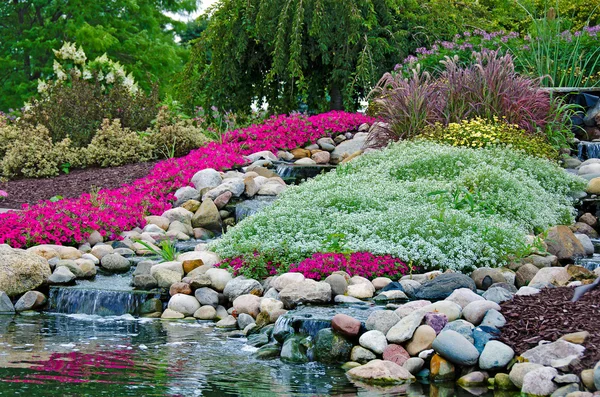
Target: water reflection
58,355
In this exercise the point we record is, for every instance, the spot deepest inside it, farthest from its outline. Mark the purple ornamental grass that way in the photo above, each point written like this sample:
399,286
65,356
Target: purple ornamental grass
489,87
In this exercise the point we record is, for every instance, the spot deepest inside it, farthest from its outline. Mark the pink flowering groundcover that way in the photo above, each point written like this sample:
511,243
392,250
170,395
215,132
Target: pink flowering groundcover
70,221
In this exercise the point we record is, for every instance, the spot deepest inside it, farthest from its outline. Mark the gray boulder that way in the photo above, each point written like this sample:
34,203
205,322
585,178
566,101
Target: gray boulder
61,275
547,353
115,263
443,285
6,305
207,296
455,348
242,286
207,178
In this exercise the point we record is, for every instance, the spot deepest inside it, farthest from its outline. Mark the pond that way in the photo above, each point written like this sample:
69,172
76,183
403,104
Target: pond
82,355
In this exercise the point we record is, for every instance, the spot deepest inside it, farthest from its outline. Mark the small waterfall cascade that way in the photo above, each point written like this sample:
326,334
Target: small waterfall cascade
588,150
300,324
295,173
73,300
309,320
105,295
247,208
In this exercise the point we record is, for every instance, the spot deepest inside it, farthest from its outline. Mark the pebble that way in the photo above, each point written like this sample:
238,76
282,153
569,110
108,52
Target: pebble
374,341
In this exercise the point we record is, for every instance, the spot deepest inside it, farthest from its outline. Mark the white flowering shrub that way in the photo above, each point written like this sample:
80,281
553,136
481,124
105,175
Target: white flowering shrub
438,206
81,93
70,63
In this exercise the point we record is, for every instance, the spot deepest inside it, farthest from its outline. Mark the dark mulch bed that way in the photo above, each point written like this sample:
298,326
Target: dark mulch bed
31,191
548,316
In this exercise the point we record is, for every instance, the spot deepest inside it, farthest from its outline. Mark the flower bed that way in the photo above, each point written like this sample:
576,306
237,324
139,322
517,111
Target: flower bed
364,264
113,211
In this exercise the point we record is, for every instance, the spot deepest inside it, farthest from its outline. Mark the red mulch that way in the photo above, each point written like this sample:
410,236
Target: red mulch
73,184
548,316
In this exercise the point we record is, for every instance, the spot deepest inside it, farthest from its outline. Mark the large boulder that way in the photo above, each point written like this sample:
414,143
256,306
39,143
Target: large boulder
545,354
242,286
443,285
248,304
562,242
207,178
115,263
207,217
307,291
455,348
381,372
331,347
21,271
184,304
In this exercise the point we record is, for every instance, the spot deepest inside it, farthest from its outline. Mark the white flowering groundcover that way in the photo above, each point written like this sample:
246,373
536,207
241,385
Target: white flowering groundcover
401,201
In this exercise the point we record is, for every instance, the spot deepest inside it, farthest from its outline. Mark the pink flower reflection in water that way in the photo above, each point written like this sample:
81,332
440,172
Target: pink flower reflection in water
77,367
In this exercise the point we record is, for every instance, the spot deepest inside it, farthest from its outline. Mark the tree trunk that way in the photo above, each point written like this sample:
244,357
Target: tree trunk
336,101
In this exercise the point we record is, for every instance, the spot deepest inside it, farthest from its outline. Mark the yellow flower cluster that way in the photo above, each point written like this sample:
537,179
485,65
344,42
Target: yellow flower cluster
480,133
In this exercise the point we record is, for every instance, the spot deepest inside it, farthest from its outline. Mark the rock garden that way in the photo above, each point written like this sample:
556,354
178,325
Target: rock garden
445,241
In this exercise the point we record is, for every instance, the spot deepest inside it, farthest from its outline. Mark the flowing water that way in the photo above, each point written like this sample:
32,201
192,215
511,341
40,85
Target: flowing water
588,150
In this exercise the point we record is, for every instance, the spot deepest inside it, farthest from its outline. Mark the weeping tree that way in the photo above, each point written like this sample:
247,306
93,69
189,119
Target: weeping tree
321,53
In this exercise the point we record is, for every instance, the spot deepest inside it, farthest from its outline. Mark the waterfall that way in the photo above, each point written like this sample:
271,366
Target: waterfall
250,207
588,150
73,300
300,324
295,173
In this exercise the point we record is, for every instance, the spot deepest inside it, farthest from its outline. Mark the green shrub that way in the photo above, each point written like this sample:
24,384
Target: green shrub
478,133
32,154
173,136
114,145
388,202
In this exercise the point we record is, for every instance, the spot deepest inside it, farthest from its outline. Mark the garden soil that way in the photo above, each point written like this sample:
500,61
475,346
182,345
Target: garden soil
71,185
549,315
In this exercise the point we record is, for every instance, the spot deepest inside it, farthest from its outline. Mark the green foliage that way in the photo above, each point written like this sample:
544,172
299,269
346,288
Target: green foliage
173,136
558,57
381,203
167,250
31,153
136,33
296,53
114,145
478,133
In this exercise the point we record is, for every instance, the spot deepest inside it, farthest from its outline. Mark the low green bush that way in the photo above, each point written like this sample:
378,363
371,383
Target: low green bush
435,205
174,136
114,145
31,153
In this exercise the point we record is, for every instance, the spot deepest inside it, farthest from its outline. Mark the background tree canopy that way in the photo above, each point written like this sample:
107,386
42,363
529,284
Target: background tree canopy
329,53
136,33
312,52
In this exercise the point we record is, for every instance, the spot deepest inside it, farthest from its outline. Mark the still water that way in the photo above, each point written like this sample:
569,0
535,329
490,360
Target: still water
81,355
